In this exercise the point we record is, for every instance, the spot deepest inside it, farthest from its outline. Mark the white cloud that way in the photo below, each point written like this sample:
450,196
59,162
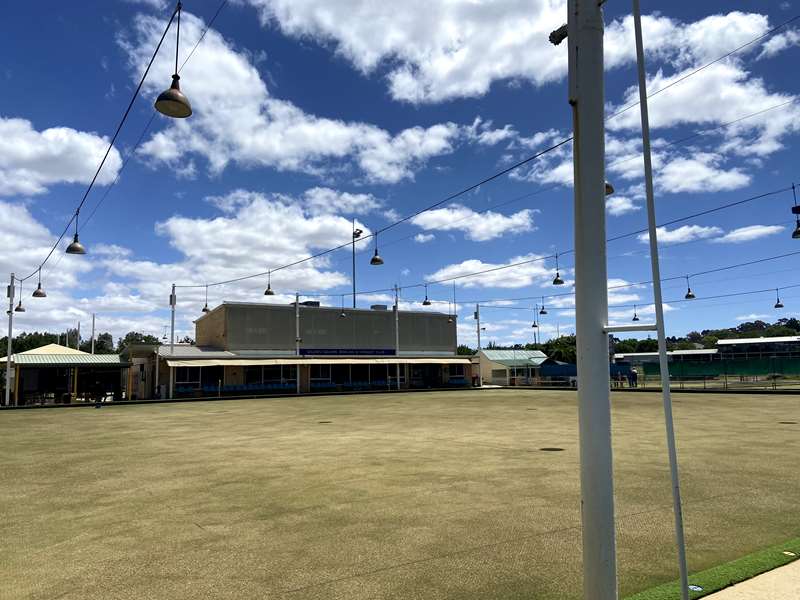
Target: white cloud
534,272
323,200
748,233
31,160
476,226
752,317
684,233
253,128
423,238
621,205
699,173
482,133
780,42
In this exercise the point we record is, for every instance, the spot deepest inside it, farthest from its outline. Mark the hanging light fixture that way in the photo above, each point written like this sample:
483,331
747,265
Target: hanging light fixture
205,308
543,311
557,280
342,314
796,232
268,291
165,334
19,307
426,302
451,317
778,303
76,247
796,211
39,292
173,102
689,293
635,316
609,189
376,260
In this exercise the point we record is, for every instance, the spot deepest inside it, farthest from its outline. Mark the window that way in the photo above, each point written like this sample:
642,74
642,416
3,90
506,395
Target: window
289,372
252,375
320,372
498,373
187,376
272,374
456,371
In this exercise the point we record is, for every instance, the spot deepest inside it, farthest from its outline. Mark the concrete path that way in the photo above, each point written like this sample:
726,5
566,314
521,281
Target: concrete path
782,583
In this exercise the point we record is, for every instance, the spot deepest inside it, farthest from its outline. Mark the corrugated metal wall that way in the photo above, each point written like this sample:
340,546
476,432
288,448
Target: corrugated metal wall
272,327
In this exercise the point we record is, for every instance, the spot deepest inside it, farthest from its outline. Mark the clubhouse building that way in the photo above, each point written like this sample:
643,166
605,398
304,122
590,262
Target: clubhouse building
255,348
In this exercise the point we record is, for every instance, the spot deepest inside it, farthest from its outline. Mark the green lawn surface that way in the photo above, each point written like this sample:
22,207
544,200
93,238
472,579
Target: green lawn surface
425,495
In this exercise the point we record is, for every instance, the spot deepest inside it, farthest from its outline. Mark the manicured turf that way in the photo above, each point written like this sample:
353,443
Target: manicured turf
433,495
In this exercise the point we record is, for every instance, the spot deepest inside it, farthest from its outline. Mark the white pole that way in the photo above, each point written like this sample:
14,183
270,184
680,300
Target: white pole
657,298
78,336
297,339
585,36
397,332
92,333
478,321
172,301
8,343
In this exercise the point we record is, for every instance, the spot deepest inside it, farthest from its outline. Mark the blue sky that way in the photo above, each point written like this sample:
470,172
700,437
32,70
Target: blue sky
311,114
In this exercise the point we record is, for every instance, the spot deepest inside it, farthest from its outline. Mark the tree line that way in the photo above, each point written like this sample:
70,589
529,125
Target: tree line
103,343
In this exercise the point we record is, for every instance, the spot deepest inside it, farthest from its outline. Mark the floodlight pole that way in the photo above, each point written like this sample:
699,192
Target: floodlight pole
397,331
478,331
92,333
172,303
297,340
659,308
586,95
8,343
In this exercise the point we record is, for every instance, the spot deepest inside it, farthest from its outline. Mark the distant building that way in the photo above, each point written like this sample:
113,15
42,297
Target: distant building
253,348
510,367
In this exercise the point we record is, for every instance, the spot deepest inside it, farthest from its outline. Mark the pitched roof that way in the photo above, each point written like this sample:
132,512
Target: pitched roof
53,349
516,358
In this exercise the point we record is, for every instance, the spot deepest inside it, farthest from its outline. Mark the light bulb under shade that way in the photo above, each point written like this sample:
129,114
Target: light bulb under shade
39,292
173,102
376,260
342,315
689,294
76,247
268,291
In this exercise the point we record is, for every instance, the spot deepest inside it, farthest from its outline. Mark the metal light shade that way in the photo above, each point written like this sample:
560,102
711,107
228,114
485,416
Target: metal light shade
796,232
19,307
609,189
635,317
206,309
543,311
268,291
558,280
76,247
779,304
535,325
376,260
426,302
449,319
172,102
342,315
39,292
689,294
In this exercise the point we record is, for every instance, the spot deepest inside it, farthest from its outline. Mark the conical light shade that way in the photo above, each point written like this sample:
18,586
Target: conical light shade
609,189
779,304
635,317
689,294
342,315
796,232
426,302
535,325
268,291
376,260
558,280
206,309
172,102
19,307
543,311
39,292
76,247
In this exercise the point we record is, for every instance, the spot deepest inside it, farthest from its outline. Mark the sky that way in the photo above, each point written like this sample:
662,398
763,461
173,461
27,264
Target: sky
309,116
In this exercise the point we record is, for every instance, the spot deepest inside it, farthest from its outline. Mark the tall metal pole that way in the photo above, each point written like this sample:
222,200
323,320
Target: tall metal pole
354,263
92,333
172,302
478,331
657,298
585,37
297,339
78,337
8,342
397,331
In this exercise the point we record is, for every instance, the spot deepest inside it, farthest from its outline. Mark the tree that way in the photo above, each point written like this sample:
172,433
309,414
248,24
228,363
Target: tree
464,350
186,340
103,344
135,337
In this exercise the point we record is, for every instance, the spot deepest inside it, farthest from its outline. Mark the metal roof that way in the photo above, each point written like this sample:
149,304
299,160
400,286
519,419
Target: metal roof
516,358
759,340
66,360
321,360
669,353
